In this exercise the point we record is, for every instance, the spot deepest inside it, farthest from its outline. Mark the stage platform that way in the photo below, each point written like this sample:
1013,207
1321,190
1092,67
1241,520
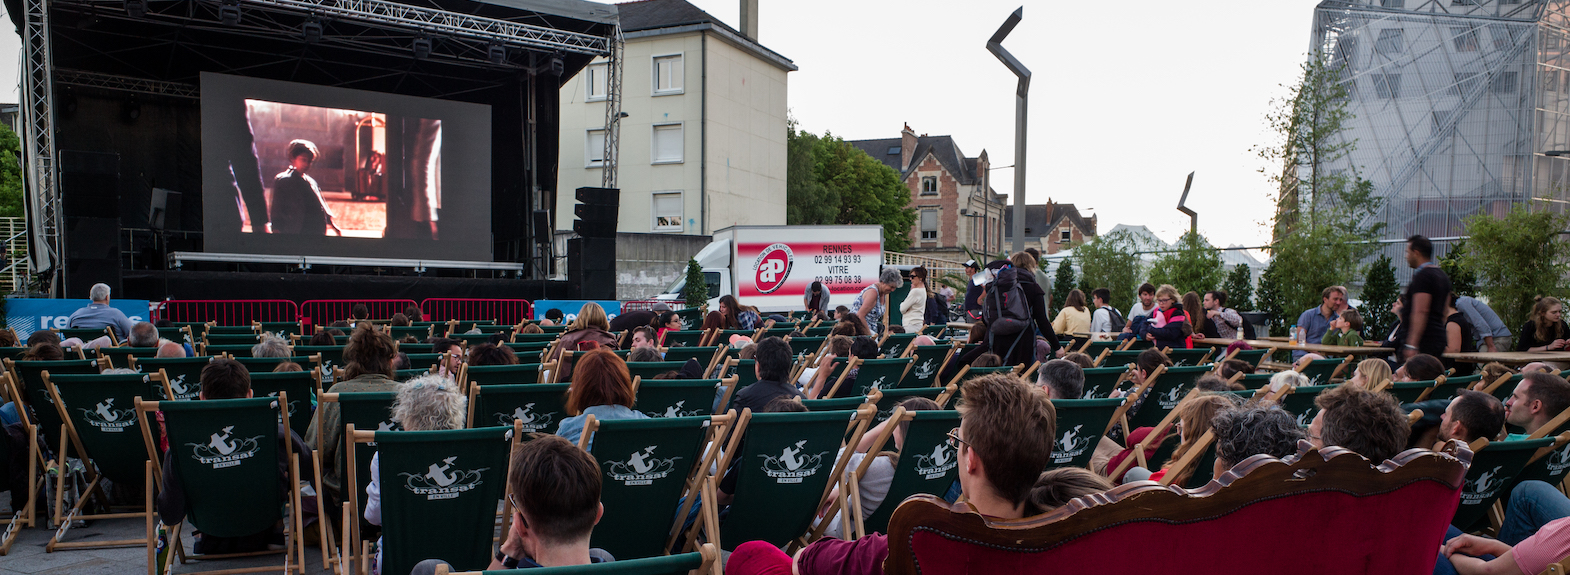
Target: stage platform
160,285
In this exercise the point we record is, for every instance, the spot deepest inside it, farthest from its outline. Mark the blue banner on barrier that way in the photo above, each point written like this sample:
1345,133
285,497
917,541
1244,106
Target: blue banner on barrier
27,315
569,307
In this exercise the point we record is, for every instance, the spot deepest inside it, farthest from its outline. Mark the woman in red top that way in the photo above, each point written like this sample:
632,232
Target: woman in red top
1169,326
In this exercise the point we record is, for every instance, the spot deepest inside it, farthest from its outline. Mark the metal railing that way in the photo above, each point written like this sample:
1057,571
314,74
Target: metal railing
18,270
935,267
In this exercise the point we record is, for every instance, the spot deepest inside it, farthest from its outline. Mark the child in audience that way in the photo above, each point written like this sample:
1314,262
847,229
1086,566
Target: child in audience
1345,330
1371,372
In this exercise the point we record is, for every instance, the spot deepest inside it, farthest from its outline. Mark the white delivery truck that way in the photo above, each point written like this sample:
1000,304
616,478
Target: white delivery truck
770,267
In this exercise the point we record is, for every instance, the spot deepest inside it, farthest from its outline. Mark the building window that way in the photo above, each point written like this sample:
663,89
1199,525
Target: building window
1387,86
1504,83
667,212
929,185
594,149
668,142
668,74
1465,38
1064,235
1346,51
929,225
1391,41
594,81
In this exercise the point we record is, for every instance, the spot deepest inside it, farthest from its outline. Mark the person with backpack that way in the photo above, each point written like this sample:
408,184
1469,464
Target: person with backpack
1224,322
1105,319
1016,346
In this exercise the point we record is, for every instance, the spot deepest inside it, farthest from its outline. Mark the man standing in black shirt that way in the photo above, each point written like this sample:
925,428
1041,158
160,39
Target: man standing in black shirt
773,364
1425,301
972,292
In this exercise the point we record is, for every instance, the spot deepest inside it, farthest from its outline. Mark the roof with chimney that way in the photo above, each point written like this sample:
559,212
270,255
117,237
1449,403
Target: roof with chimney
657,17
1042,219
948,154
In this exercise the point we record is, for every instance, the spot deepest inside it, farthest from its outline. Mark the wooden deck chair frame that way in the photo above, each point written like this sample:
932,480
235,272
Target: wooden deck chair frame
341,557
1489,386
1029,371
1156,436
21,518
70,440
848,486
294,548
1190,458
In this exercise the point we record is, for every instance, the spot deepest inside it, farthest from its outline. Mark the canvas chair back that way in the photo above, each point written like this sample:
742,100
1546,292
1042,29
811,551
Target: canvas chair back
326,358
784,467
121,356
649,369
1549,465
500,374
458,326
190,331
398,332
835,404
1350,505
423,359
528,352
934,331
927,464
282,329
967,373
878,374
1102,381
886,400
100,411
29,377
266,364
1095,347
1300,402
1319,371
471,339
411,373
230,329
676,397
1410,391
704,355
183,374
1446,387
413,348
1494,466
691,318
368,411
745,371
803,345
1191,357
299,386
228,339
225,453
645,465
1164,394
928,362
1252,356
458,475
895,344
1081,423
1119,358
535,337
85,334
539,406
235,350
1255,380
685,338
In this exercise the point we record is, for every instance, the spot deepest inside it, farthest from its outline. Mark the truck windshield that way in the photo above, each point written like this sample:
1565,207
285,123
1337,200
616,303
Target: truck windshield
712,279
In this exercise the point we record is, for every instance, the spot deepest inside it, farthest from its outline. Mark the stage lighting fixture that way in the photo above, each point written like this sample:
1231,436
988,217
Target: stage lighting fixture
69,105
312,30
498,54
136,8
133,110
422,48
229,13
558,64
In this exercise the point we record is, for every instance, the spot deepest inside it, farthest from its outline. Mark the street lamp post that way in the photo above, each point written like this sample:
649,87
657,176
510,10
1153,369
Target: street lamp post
1021,99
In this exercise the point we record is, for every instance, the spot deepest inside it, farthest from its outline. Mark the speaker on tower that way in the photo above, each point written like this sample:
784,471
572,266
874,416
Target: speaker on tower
596,212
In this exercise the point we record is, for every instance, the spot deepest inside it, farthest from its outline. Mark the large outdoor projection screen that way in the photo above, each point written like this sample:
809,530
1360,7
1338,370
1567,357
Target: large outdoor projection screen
299,169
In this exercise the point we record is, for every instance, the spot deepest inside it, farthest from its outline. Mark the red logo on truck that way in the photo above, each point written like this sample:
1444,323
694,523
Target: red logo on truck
772,267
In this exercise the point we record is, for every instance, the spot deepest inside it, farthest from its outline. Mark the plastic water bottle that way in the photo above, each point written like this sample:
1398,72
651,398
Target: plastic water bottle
1292,335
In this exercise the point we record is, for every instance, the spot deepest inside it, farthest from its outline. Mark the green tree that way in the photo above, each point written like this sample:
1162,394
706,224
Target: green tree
1196,266
1270,301
1240,288
828,181
1517,258
1108,261
1062,283
1462,280
10,174
696,292
1380,290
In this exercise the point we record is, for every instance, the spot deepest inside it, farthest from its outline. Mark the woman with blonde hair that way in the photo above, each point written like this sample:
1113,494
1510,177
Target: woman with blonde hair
1194,418
425,403
1546,330
1371,372
591,330
1169,325
1075,315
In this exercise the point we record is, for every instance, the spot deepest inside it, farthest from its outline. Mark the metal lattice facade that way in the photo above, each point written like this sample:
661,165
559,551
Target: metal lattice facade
1455,103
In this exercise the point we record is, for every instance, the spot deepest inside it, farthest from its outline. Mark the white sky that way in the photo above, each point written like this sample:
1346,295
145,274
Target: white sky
1126,99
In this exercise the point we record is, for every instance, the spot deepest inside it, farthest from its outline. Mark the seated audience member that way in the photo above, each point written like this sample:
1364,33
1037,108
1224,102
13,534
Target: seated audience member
359,313
1494,370
1169,325
1371,372
1003,442
284,366
99,314
409,339
553,317
773,363
1246,431
629,319
425,403
748,351
227,379
1214,383
1472,414
1539,398
1471,554
861,347
850,326
413,314
988,359
270,346
325,337
1194,415
1538,366
1233,367
340,325
922,340
1368,423
1063,379
44,351
168,348
644,354
602,388
400,361
143,334
531,328
838,346
1287,380
642,336
1420,367
368,361
1345,330
557,488
784,404
41,336
1082,360
399,320
590,331
1545,331
8,338
880,473
452,359
491,354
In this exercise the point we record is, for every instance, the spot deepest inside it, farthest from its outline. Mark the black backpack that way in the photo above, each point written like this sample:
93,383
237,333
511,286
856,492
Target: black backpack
1006,311
1118,323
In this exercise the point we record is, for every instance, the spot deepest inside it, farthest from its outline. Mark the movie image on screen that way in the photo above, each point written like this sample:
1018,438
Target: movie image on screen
365,174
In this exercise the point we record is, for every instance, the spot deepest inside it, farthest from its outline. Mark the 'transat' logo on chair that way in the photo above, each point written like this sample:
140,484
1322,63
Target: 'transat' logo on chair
674,411
793,464
938,463
181,390
1559,460
108,419
1170,399
222,451
926,369
641,468
1070,445
532,420
441,481
1485,487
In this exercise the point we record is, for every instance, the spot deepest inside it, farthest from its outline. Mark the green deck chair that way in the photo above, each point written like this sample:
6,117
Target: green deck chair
1549,467
1081,423
1255,380
1447,387
1165,393
968,372
895,344
13,352
887,399
1494,466
240,350
182,374
423,360
411,373
535,337
929,362
1096,347
456,477
367,411
420,332
820,331
283,329
101,425
22,515
492,328
784,465
704,355
413,348
1300,402
649,369
438,328
464,325
177,334
1411,391
86,334
231,329
1191,357
804,345
121,356
675,397
683,338
472,339
504,374
326,357
1120,358
836,404
539,406
745,371
232,339
1252,356
1101,381
225,454
299,386
873,374
691,318
29,377
934,331
646,466
927,464
1320,371
266,364
1503,390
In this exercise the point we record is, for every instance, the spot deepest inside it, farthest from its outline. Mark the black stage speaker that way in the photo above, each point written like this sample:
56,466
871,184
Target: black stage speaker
591,268
597,212
542,226
90,200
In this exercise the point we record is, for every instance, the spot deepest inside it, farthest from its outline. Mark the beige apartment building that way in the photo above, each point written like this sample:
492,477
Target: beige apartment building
702,144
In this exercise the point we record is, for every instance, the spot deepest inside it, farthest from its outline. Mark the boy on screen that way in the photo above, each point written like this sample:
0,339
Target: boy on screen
297,204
